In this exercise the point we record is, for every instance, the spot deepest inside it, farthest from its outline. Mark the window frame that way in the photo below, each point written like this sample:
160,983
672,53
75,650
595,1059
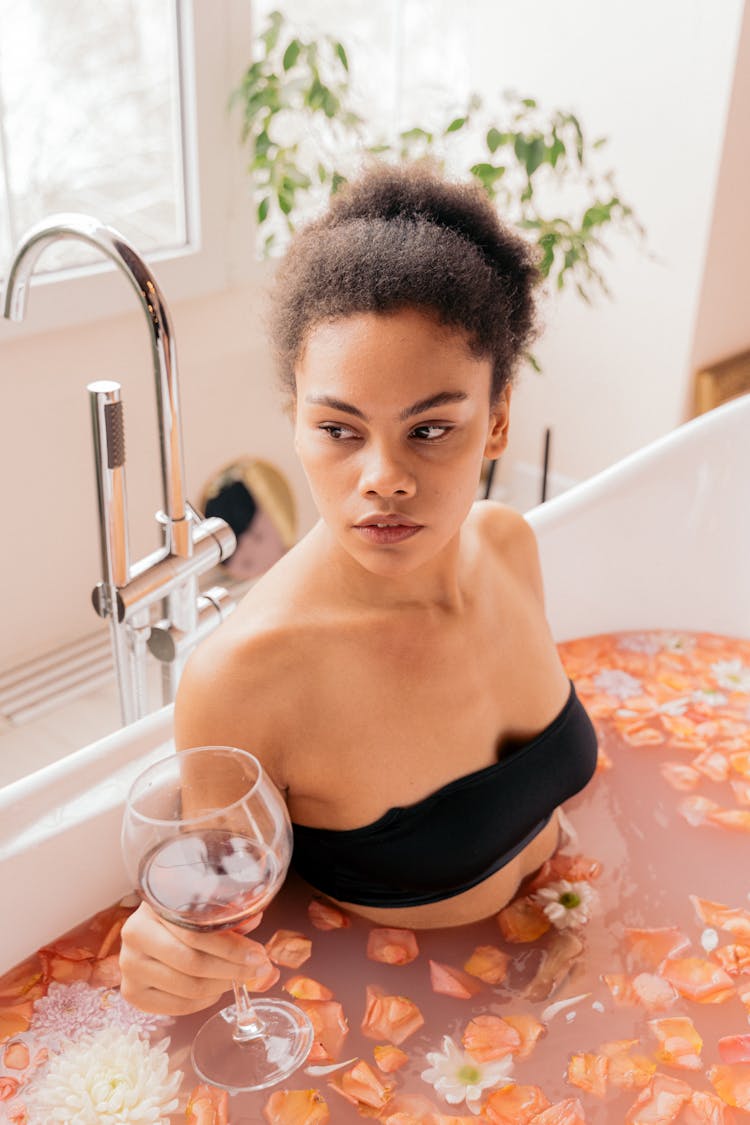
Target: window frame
214,41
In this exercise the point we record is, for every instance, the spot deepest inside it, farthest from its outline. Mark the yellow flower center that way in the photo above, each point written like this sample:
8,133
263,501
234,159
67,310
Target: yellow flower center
569,899
469,1075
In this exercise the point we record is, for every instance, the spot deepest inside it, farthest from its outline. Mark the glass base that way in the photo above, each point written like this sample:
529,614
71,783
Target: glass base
277,1052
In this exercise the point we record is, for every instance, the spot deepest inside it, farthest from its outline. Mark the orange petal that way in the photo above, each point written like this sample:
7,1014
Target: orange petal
680,776
740,763
330,1028
734,958
326,916
629,1071
25,982
488,963
735,1048
647,989
410,1109
289,949
712,765
564,949
66,968
106,973
207,1106
305,988
392,947
733,921
529,1030
737,819
741,790
14,1020
296,1107
575,868
16,1055
732,1083
660,1102
9,1087
698,979
361,1086
390,1017
449,981
389,1058
648,948
490,1037
522,920
514,1105
705,1109
697,810
589,1073
679,1042
567,1112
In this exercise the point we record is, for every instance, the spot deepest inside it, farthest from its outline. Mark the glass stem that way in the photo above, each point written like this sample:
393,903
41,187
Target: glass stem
247,1024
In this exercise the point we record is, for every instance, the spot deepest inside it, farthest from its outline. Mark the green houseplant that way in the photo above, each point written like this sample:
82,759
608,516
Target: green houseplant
301,130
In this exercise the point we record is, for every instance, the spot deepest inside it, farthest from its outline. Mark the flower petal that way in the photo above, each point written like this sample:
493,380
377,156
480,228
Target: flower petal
490,1037
529,1029
488,963
392,946
735,1048
394,1018
558,959
522,920
361,1086
679,1043
288,948
589,1072
326,916
207,1105
567,1112
514,1105
296,1107
647,948
733,921
660,1102
389,1058
330,1028
449,981
305,988
698,979
732,1083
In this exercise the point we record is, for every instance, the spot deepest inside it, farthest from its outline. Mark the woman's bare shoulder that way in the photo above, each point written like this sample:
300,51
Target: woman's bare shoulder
505,531
242,686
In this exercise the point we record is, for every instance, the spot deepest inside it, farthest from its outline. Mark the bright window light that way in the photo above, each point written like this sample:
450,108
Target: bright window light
91,121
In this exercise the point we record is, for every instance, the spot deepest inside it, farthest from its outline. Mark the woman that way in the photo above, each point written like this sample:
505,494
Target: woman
394,671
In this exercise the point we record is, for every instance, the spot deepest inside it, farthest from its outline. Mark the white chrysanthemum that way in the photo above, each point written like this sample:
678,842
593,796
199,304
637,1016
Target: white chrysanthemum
709,698
109,1078
732,675
566,904
458,1077
619,684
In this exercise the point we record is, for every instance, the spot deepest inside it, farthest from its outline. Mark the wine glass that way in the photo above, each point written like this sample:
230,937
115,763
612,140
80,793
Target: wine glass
207,839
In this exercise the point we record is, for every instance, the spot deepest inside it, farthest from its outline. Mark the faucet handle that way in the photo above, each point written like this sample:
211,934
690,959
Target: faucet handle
168,643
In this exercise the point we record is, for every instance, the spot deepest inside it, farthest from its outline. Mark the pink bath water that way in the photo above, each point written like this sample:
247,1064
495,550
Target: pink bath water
666,822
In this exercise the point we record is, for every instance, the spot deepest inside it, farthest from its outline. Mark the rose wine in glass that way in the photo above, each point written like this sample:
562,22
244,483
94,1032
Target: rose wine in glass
207,839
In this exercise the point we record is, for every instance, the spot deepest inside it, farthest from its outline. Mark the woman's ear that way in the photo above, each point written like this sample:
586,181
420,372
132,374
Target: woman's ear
497,435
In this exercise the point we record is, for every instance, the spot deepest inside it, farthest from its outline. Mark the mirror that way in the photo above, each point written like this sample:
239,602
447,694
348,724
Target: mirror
256,501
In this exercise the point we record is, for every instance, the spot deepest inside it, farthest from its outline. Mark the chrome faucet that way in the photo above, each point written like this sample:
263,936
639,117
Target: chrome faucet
129,592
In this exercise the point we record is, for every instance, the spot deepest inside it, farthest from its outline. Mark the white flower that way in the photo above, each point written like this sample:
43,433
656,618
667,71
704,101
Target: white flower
619,684
732,675
708,698
458,1077
566,904
108,1078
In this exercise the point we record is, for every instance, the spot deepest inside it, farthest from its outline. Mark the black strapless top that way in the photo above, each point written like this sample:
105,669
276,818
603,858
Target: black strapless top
461,834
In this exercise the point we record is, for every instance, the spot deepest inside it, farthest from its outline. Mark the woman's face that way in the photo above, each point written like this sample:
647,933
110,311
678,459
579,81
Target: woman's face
392,421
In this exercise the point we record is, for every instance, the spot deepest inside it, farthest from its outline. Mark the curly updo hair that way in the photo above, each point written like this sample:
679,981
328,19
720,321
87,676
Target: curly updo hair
405,237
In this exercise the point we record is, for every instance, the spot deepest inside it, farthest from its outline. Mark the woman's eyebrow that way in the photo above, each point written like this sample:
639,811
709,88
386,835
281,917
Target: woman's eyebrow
430,403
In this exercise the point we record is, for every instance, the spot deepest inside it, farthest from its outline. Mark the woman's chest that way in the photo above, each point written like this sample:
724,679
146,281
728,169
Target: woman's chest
392,721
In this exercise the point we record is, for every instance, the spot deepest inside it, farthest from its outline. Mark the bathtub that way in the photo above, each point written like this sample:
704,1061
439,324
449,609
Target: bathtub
659,540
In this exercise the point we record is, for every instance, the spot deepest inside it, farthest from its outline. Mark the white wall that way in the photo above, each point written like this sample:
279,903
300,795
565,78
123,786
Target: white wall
654,77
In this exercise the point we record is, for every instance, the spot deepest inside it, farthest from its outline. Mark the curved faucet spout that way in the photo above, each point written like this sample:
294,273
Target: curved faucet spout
111,243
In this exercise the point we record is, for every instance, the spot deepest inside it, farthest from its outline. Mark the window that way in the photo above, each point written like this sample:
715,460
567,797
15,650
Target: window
119,109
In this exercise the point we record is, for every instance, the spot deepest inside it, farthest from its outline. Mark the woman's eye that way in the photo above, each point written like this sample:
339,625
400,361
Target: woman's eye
337,433
430,433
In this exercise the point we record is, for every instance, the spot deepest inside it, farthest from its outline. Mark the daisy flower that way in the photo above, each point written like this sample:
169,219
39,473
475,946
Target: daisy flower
566,904
108,1078
732,675
620,685
458,1077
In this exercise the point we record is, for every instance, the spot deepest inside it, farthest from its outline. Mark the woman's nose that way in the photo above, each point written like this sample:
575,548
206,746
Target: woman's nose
384,474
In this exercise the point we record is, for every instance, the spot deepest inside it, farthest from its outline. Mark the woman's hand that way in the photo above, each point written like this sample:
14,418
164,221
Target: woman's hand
173,971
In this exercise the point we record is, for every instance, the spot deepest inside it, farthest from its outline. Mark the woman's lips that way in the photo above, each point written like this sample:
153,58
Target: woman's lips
392,533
